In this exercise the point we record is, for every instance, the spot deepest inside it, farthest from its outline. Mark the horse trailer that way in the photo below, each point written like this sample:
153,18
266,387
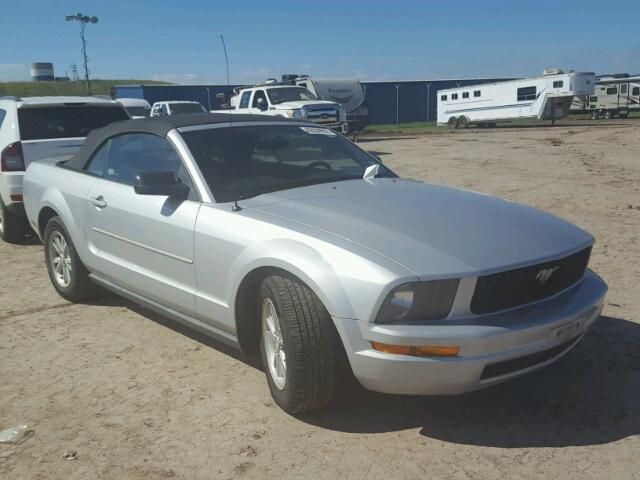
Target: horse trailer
547,97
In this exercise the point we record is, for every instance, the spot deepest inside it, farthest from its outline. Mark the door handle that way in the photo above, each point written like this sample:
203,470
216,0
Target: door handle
98,201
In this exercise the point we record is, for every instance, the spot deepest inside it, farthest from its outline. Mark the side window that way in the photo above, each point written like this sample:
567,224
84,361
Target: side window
443,98
259,94
454,96
526,93
558,84
99,160
3,113
612,91
593,99
623,88
244,100
476,93
132,154
635,91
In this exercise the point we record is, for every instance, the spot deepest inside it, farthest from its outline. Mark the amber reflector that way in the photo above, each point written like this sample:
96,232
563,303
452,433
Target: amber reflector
426,351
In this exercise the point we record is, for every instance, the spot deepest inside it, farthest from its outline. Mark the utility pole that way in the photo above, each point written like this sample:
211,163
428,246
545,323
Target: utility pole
84,20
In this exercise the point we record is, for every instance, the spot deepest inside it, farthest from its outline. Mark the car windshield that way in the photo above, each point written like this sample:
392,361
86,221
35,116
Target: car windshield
289,94
186,108
244,161
43,123
138,111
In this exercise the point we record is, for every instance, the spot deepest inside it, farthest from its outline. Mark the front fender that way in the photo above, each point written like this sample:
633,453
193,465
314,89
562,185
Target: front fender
298,259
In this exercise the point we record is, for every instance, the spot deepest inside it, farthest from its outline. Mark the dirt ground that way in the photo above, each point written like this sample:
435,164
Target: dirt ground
128,395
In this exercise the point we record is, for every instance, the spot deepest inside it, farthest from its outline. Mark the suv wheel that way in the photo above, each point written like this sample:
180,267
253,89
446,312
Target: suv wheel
299,345
12,227
67,273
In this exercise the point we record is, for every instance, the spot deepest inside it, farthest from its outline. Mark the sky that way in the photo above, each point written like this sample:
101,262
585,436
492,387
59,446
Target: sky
179,41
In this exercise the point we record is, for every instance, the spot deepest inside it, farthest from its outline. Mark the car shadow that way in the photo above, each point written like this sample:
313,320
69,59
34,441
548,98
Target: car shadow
589,397
108,299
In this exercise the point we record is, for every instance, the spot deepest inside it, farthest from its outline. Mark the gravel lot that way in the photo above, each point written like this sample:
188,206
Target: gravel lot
128,395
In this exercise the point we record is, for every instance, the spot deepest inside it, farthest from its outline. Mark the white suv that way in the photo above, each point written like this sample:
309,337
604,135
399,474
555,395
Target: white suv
176,106
36,128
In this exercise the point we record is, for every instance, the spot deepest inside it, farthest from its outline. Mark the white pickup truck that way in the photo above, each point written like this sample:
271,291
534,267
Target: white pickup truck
288,101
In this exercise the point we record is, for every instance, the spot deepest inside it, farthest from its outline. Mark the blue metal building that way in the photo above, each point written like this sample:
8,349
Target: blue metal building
389,102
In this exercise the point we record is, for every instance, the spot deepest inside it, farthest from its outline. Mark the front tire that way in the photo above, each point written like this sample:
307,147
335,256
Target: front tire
12,228
67,273
299,345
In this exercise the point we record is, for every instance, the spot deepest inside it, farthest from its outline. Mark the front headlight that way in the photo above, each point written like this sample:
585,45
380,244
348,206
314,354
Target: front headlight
419,301
297,113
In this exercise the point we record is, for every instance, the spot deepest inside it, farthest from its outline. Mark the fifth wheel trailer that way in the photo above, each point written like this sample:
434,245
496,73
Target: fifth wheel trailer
614,96
547,97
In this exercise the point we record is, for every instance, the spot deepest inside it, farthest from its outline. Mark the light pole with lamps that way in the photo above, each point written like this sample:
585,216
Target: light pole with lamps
84,20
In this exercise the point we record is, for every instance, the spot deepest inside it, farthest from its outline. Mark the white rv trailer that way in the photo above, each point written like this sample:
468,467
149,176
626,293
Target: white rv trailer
614,96
546,97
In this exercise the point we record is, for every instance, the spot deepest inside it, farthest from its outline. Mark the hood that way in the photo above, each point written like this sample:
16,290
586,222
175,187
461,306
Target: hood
432,231
307,103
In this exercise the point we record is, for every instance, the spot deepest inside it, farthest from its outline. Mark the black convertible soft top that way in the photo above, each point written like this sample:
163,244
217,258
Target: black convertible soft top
159,126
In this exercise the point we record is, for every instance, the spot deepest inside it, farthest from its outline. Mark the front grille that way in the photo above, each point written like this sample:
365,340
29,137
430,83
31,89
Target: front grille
322,115
520,363
503,290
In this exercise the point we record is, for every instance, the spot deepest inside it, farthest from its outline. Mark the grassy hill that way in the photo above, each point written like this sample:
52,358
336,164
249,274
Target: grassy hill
37,89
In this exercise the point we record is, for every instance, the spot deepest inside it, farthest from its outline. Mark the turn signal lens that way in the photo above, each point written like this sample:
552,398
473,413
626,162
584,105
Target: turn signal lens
426,351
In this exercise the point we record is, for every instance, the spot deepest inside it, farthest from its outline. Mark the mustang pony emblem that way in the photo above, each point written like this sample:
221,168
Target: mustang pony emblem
545,274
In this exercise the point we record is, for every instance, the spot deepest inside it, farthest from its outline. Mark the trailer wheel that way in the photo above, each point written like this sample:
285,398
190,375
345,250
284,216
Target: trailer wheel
608,115
463,122
453,123
594,115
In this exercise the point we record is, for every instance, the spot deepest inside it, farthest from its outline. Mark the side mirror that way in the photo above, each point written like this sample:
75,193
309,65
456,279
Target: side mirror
262,105
160,183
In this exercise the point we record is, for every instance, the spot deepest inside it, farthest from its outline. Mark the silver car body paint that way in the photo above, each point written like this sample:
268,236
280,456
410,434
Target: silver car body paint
351,242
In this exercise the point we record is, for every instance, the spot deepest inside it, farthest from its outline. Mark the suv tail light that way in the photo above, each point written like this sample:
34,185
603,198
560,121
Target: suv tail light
11,158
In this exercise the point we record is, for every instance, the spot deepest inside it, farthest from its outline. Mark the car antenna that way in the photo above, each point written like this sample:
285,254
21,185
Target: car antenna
226,59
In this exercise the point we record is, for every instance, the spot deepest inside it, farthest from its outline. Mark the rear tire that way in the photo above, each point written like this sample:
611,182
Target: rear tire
608,115
67,273
453,123
463,122
12,227
594,115
299,345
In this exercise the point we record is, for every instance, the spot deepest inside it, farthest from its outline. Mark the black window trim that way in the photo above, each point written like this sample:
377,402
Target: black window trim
183,164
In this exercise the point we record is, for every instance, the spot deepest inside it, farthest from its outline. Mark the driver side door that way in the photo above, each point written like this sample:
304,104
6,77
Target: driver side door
143,243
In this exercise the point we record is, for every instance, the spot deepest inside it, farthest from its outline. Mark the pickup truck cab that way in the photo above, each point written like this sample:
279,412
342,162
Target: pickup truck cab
290,102
160,109
36,128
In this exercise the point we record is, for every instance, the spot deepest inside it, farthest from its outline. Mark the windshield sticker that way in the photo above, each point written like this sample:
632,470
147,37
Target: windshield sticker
318,131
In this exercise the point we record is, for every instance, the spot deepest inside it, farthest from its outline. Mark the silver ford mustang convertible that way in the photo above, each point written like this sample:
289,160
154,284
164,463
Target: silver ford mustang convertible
282,237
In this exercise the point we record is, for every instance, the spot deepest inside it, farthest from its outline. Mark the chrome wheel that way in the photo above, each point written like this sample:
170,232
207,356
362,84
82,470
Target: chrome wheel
1,219
273,344
60,258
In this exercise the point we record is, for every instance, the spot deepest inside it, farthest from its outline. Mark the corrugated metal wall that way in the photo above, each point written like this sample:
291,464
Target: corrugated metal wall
389,102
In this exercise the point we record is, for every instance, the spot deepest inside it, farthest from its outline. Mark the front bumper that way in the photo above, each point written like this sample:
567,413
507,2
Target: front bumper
493,348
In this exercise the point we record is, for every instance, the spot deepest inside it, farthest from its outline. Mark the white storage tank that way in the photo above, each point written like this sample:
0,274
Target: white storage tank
42,71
